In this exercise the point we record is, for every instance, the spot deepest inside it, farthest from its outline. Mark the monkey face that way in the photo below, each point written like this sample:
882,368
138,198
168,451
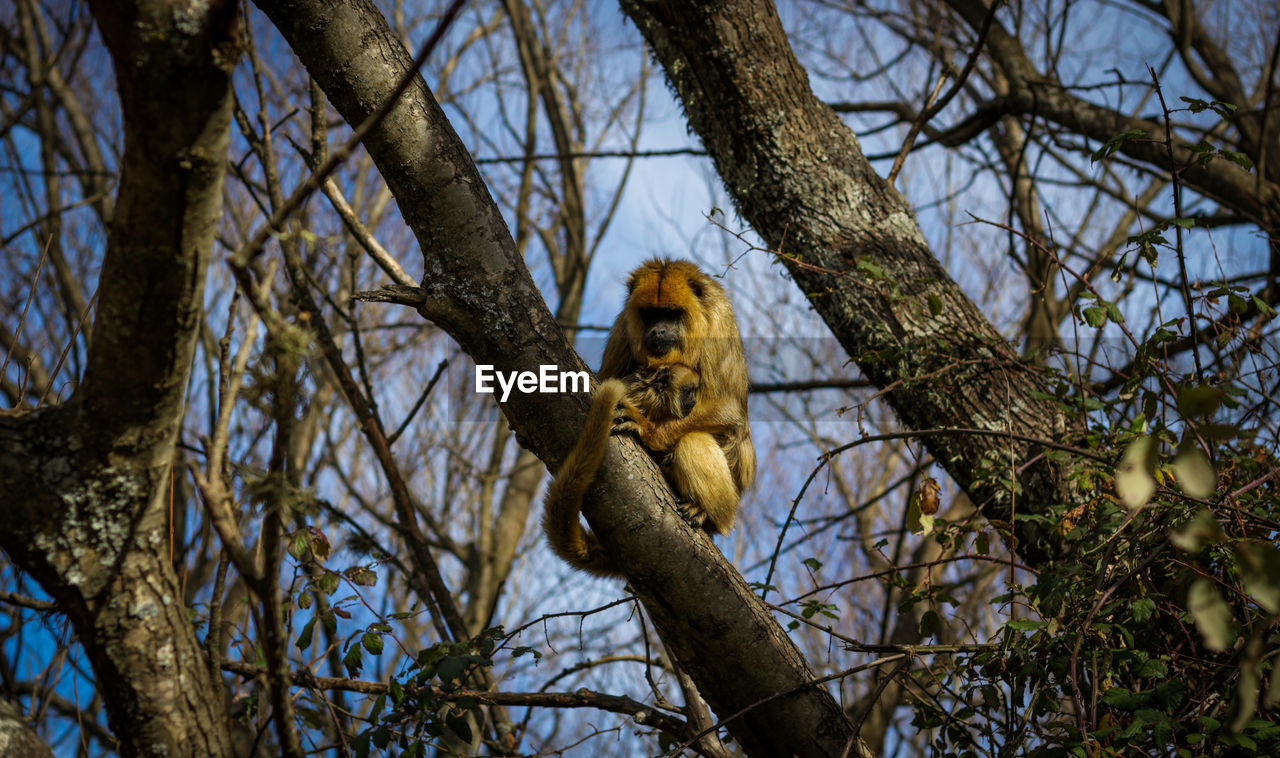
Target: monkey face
677,385
665,313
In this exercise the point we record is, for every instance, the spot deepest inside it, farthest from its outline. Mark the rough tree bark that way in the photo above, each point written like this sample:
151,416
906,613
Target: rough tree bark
851,243
83,485
478,288
16,737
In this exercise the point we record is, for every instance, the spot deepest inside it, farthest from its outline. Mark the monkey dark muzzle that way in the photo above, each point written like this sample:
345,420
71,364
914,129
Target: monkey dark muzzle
660,340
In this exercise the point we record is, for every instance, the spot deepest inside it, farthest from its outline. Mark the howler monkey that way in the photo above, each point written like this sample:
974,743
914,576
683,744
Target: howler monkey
674,316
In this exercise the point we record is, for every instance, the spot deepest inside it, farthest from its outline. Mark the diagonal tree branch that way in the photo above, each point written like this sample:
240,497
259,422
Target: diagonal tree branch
477,287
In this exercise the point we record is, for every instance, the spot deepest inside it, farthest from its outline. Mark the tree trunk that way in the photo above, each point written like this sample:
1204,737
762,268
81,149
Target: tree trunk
84,486
852,244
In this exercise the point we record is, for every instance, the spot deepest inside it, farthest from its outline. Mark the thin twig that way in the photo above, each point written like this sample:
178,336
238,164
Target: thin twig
276,223
932,109
1177,226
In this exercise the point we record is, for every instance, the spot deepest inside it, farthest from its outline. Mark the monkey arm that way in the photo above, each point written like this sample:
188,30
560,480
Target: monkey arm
716,419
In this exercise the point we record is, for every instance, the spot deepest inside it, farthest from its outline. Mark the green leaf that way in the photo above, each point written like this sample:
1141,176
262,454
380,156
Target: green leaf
299,542
1212,615
372,642
1095,315
362,576
813,563
306,634
457,724
1260,574
1113,144
526,650
1192,536
1195,104
1246,743
1119,697
310,717
353,661
451,667
919,523
1142,608
929,623
1198,400
1134,483
319,543
1151,669
361,744
869,267
1248,687
1194,473
1237,158
328,583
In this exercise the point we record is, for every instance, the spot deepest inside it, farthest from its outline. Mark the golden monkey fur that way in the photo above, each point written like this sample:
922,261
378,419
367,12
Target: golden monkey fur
676,329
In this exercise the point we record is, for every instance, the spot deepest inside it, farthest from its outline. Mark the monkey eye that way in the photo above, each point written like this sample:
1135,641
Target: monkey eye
696,288
653,315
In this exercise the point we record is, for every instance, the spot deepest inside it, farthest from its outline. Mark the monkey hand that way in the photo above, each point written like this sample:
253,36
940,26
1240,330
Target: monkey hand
658,437
629,420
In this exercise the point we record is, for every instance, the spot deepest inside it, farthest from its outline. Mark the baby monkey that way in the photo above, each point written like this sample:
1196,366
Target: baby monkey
656,395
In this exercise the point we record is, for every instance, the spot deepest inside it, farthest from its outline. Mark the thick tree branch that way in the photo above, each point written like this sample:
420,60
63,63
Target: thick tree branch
477,284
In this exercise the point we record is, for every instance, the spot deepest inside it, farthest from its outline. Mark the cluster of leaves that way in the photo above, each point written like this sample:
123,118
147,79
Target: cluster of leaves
419,709
1158,633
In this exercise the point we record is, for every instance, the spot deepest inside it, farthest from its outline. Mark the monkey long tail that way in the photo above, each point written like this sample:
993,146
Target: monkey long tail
577,546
